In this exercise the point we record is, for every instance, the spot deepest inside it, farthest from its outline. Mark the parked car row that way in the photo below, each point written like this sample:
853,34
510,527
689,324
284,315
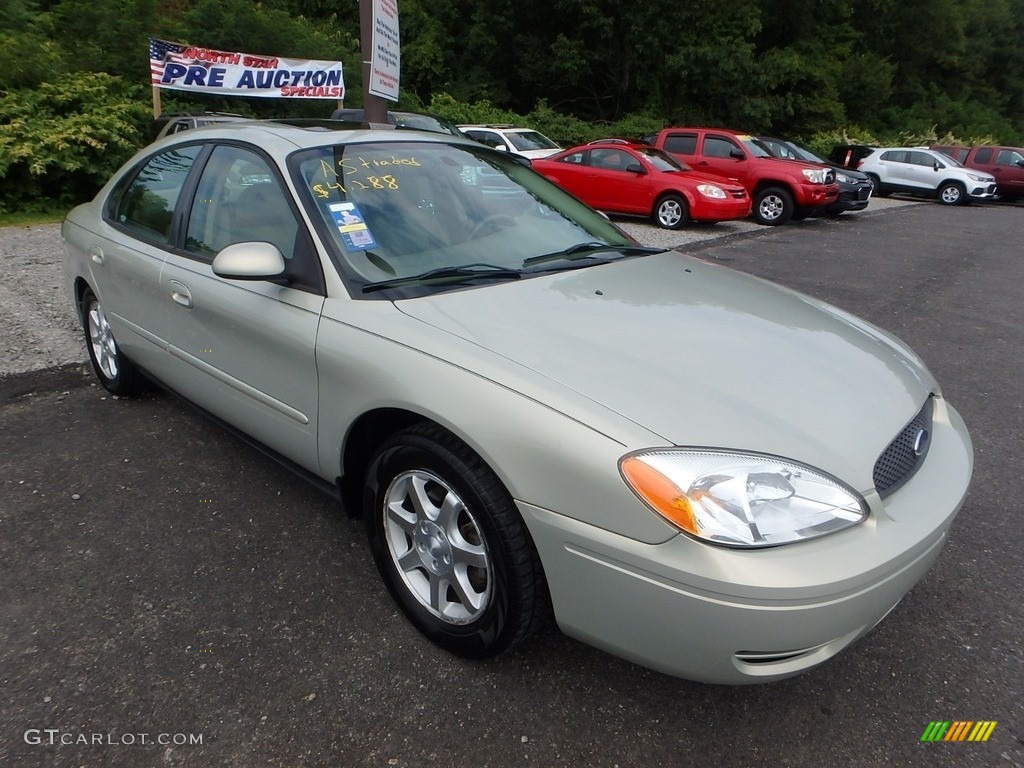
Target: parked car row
959,174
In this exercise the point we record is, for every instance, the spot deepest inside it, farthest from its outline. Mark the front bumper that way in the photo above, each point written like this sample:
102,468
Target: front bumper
852,197
709,209
739,616
982,191
816,195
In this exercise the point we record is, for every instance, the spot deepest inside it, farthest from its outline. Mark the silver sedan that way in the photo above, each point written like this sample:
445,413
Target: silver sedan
688,467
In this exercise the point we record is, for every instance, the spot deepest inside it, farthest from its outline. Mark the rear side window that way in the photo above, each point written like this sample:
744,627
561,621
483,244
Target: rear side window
895,156
145,204
681,143
983,155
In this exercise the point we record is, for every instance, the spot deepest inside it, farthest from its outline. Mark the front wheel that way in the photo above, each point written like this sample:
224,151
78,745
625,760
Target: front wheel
671,212
115,371
952,193
450,544
773,206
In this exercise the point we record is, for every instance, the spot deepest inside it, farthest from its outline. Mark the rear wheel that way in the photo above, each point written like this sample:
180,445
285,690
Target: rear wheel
773,206
115,371
450,544
953,193
671,212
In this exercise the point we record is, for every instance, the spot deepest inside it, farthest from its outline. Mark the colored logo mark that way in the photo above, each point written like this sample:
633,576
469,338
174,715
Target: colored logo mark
958,730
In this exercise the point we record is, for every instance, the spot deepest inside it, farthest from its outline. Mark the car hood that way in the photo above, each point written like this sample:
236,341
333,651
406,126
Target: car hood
700,355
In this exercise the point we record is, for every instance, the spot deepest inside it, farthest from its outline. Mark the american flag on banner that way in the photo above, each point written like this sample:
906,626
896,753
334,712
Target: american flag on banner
161,52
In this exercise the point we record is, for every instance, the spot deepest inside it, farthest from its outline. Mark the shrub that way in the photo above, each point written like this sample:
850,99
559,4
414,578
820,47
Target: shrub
60,142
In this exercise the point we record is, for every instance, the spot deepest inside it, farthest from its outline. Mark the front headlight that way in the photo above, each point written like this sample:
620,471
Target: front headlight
843,178
710,190
741,500
815,176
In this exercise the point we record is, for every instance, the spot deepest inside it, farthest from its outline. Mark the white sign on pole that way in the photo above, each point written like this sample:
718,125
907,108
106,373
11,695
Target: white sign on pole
386,57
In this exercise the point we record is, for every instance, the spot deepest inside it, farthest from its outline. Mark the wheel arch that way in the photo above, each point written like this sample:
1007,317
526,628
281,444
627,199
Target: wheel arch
79,288
366,435
763,184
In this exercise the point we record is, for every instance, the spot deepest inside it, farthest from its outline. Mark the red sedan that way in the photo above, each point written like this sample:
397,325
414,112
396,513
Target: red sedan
640,180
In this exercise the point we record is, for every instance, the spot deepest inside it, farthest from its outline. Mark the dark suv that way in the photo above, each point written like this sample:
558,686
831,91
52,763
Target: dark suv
854,187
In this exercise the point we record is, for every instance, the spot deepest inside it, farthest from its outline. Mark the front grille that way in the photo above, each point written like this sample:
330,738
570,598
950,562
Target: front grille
739,194
864,193
901,459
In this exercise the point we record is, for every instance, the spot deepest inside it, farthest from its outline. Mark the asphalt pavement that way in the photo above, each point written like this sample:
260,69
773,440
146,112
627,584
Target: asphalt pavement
171,597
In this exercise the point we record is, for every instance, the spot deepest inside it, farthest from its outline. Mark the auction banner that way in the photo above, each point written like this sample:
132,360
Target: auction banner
191,68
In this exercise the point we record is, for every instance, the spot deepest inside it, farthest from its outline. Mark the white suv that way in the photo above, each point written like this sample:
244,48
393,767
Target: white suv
519,141
926,173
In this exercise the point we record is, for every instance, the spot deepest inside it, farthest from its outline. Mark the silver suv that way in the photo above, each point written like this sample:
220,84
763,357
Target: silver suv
926,173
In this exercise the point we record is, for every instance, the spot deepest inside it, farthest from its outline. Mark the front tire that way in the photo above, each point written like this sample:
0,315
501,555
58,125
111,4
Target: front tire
450,544
671,212
876,185
773,206
115,371
953,193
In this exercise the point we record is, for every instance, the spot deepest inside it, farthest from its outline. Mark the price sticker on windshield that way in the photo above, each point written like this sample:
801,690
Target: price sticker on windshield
355,234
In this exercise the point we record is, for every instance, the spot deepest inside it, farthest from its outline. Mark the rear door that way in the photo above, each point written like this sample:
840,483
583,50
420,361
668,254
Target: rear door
126,254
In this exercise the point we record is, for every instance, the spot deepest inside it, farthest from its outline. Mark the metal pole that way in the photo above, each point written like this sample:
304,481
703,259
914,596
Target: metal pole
375,109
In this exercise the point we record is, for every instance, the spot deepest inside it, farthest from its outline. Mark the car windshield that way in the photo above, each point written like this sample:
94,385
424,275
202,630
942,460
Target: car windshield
523,140
661,160
426,123
947,159
397,210
755,147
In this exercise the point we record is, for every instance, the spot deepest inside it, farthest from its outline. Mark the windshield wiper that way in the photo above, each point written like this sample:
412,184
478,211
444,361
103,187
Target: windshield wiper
584,250
461,273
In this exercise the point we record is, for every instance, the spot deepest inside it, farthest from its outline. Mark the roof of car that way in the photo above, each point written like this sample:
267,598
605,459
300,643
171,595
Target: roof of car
301,133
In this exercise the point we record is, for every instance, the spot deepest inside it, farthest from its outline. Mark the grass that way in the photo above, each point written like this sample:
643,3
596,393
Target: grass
19,219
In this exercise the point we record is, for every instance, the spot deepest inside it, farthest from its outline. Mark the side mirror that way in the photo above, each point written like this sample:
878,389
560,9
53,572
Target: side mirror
636,168
939,166
737,154
249,261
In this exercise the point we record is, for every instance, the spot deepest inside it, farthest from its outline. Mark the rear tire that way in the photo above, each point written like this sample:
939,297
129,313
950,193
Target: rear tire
876,183
115,371
450,544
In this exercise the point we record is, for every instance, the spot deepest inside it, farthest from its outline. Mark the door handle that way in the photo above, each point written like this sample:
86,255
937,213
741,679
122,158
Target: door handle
180,294
96,254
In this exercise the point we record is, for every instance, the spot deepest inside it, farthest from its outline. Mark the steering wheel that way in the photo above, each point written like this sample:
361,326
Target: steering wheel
494,222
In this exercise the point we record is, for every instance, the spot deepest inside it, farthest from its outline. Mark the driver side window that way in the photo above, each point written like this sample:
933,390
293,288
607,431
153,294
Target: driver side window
239,199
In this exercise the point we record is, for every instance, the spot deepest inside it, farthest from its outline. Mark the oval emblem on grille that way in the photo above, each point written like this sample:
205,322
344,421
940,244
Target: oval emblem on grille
921,442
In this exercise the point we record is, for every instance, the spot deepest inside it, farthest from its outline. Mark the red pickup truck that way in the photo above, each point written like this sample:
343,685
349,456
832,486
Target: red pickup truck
1005,163
780,189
